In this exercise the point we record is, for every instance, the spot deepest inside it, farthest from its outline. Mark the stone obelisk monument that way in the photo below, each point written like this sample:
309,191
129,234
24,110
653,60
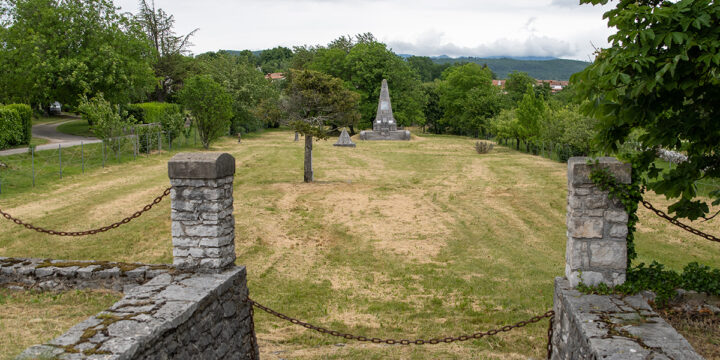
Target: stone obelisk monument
384,125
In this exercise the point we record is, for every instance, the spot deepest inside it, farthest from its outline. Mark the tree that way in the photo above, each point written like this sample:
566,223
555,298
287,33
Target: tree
426,69
468,98
247,87
171,65
59,50
211,107
107,122
368,63
532,111
516,85
314,98
275,60
363,64
432,109
660,75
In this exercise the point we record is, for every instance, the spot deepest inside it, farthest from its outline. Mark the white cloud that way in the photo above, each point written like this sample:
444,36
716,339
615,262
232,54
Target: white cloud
530,46
455,27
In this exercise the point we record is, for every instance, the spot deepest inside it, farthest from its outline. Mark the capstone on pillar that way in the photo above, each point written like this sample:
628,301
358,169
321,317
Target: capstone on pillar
596,225
203,226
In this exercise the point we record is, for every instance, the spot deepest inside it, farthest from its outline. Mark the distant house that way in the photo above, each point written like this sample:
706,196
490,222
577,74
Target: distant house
555,85
275,76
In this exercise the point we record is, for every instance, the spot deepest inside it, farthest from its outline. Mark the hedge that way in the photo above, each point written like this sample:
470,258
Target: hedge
25,112
156,112
11,128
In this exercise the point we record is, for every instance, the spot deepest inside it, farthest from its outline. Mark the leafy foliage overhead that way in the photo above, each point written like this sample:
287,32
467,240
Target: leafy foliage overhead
59,50
661,77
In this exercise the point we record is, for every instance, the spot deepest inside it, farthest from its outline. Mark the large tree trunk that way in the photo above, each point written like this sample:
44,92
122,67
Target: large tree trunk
308,159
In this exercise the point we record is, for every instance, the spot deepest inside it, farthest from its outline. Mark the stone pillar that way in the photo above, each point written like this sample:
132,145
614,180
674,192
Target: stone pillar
596,226
203,226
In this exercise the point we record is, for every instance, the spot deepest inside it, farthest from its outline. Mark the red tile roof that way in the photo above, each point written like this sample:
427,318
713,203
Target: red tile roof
275,76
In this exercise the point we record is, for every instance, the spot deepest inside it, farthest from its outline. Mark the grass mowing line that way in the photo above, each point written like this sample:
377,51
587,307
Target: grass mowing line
352,251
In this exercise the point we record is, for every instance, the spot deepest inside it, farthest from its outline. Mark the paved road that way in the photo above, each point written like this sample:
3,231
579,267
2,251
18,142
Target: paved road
49,131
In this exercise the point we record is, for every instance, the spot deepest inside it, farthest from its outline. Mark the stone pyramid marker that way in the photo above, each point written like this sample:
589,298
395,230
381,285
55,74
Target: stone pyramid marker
344,140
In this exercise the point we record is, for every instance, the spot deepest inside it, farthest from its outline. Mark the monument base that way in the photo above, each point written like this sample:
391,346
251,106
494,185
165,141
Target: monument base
385,135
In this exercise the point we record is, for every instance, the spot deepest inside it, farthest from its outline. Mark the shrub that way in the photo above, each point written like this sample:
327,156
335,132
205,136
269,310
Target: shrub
156,112
11,129
168,115
483,147
134,110
108,124
25,113
147,136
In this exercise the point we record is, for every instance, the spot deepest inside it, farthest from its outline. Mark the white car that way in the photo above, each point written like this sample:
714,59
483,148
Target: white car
55,108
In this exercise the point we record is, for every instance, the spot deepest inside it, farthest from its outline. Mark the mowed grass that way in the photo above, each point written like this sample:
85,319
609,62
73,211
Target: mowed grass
31,317
76,127
418,239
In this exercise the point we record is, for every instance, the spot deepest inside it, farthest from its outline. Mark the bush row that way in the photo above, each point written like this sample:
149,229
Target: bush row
15,125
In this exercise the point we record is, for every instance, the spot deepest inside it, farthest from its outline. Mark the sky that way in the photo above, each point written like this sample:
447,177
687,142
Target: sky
556,28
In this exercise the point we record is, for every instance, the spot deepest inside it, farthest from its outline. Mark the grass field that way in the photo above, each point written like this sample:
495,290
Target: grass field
395,239
76,127
28,317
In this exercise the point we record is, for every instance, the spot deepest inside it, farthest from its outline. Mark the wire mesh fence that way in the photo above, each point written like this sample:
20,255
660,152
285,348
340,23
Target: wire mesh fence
22,171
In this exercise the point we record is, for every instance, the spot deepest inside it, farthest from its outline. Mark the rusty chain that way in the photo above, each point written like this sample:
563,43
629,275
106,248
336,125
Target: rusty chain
450,339
116,225
673,221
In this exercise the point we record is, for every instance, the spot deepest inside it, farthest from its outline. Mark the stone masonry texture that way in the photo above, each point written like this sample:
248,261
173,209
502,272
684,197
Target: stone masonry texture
203,226
58,275
612,327
596,225
180,316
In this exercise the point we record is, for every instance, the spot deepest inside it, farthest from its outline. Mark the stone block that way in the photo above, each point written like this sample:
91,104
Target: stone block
616,216
608,254
579,170
585,228
205,165
618,231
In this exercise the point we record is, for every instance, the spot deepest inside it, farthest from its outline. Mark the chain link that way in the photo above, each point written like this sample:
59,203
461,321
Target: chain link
550,336
673,221
447,340
116,225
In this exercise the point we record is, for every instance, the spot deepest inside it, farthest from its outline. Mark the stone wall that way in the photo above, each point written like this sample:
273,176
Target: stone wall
195,309
44,274
611,327
172,316
596,225
604,327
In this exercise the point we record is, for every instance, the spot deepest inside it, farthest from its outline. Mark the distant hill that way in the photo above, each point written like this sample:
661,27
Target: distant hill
539,68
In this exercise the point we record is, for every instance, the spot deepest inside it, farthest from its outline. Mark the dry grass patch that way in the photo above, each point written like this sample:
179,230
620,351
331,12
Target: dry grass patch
29,317
410,239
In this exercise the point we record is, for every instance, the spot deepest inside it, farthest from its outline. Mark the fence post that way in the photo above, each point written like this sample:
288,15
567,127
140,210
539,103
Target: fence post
147,143
596,225
60,157
32,156
159,140
82,156
203,226
103,153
